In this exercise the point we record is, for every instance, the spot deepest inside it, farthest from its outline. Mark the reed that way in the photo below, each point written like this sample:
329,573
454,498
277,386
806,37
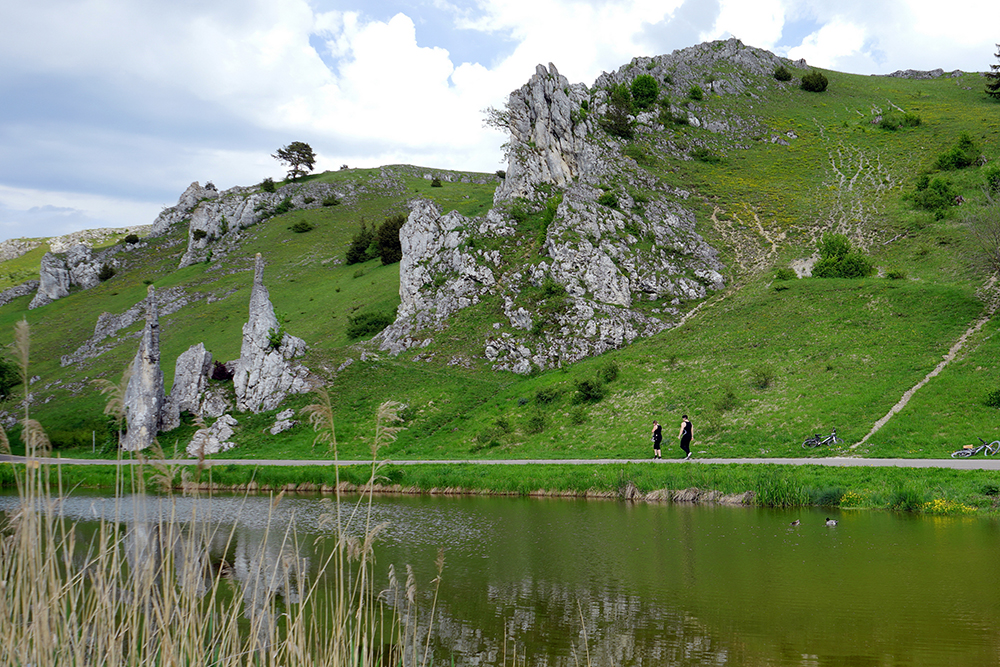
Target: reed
144,588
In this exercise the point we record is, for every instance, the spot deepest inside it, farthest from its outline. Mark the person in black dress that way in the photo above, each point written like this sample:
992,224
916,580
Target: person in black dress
685,436
657,437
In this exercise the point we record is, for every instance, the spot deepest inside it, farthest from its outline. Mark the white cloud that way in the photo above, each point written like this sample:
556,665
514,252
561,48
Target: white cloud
22,217
830,44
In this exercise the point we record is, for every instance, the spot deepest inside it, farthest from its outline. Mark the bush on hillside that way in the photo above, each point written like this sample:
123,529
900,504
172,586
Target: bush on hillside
588,391
893,121
839,260
644,91
696,93
782,74
608,372
367,324
199,234
387,242
785,273
992,176
107,272
993,399
361,248
331,200
935,195
267,185
617,119
220,372
608,199
813,82
436,182
301,226
130,239
964,153
10,377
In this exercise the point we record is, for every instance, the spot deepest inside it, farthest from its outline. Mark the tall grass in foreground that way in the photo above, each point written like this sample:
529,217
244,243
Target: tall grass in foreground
144,590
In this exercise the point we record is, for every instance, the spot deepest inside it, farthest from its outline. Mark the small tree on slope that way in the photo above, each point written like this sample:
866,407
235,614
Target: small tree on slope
993,78
299,156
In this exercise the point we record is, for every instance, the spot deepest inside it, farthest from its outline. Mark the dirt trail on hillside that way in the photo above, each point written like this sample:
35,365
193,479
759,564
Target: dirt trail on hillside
992,299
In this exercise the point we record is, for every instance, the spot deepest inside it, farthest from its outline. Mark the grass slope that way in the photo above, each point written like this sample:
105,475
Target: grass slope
758,367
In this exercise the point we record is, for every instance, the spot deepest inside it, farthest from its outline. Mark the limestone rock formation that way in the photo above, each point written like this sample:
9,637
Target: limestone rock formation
144,395
57,274
190,379
266,371
213,439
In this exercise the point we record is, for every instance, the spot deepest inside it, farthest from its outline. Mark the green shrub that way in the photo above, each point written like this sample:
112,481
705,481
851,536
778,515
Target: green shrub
284,206
546,395
588,391
993,399
436,182
130,238
935,195
360,249
107,272
367,324
703,154
696,93
617,120
608,372
728,400
267,185
10,377
199,234
782,74
608,199
964,153
909,497
992,176
644,91
893,121
762,376
301,226
785,273
839,260
536,423
390,248
519,211
813,82
275,335
501,174
331,200
895,274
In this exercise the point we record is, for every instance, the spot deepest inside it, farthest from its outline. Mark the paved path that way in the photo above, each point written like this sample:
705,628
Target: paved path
980,463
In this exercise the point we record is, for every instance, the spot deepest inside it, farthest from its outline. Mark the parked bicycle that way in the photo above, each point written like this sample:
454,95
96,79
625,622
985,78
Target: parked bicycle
818,440
988,449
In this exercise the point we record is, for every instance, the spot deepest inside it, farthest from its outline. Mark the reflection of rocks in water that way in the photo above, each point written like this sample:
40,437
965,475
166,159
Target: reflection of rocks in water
148,544
557,626
267,564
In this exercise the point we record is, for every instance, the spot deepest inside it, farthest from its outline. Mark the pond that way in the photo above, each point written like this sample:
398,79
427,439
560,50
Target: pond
568,582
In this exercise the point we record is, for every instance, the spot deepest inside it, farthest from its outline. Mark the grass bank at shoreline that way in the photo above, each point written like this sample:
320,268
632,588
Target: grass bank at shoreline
919,490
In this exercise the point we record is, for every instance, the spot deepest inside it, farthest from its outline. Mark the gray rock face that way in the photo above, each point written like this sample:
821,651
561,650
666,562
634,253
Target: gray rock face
265,374
190,378
144,395
548,134
214,439
57,274
17,291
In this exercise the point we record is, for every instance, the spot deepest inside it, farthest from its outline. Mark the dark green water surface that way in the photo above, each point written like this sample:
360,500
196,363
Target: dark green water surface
568,582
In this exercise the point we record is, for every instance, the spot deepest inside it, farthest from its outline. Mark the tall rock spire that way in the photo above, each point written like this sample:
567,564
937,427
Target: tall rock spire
144,395
266,373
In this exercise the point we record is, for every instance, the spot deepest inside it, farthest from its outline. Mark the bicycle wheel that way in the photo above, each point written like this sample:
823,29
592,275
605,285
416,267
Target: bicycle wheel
963,453
811,442
837,441
993,448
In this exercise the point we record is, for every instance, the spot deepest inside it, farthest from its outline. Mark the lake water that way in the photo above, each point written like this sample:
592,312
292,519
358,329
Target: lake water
568,582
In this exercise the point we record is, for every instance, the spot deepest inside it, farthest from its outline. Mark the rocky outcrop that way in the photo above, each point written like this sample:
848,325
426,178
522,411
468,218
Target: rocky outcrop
144,395
190,379
57,274
267,371
214,439
17,291
548,134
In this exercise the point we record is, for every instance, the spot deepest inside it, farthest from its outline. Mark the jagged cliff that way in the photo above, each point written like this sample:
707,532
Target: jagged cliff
583,251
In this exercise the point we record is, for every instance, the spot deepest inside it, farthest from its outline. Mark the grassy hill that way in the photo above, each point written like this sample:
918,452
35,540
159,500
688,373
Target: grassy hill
757,367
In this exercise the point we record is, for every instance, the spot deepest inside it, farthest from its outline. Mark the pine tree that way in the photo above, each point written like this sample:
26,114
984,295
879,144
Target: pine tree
993,78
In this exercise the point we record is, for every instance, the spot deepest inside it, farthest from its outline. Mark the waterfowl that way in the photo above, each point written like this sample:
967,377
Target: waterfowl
831,522
794,523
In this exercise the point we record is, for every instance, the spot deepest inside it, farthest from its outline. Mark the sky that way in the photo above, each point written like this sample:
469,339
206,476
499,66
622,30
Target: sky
109,109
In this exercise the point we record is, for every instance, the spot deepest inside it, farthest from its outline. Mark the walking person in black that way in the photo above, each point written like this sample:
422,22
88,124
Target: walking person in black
657,437
685,436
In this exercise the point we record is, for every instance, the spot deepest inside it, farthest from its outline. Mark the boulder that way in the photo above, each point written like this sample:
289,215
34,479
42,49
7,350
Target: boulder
214,439
190,378
266,371
144,395
57,274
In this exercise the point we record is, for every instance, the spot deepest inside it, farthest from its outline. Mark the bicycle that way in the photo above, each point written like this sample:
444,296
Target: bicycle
971,450
818,439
